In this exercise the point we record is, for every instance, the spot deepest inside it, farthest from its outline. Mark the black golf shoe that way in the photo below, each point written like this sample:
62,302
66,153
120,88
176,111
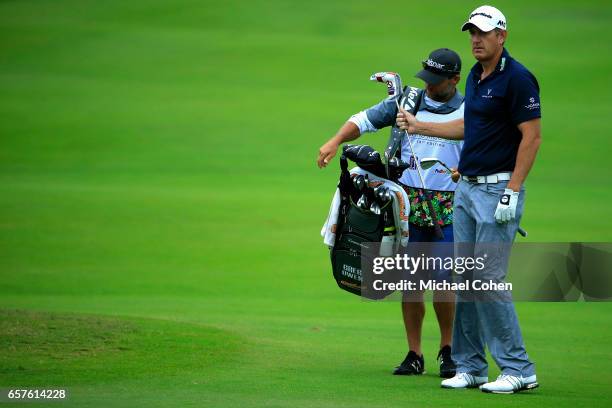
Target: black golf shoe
447,365
412,365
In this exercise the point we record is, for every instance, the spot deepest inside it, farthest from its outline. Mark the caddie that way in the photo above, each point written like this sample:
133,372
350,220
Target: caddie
441,102
501,130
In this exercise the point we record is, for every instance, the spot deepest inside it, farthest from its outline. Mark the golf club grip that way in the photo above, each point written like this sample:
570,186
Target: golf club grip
522,232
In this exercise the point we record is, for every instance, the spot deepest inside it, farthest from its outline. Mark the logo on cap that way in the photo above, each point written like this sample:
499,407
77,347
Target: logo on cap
500,23
480,14
434,64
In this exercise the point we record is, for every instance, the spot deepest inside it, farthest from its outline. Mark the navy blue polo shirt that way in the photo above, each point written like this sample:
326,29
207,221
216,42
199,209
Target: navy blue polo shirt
494,107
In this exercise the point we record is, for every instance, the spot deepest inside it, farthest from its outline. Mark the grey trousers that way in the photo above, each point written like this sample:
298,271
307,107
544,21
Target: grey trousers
491,323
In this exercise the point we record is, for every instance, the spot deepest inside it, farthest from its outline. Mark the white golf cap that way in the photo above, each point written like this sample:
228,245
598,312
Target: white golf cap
485,18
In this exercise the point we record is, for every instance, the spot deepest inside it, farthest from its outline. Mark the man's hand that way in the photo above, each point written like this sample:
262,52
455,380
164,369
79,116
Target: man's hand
349,131
326,153
506,208
406,120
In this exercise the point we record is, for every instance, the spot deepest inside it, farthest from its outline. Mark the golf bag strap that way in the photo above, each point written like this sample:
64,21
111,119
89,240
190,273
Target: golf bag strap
410,99
344,185
345,177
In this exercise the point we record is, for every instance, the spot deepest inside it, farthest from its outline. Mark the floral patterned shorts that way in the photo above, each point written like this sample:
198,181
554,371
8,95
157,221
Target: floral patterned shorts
442,202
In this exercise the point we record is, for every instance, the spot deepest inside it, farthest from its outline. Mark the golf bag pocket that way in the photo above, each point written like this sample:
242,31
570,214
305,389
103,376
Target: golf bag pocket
364,223
358,232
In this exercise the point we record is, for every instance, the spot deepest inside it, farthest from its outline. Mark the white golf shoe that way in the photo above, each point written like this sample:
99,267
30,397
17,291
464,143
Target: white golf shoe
464,380
509,384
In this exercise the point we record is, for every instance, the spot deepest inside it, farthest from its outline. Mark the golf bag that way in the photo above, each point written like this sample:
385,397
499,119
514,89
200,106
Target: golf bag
370,209
369,205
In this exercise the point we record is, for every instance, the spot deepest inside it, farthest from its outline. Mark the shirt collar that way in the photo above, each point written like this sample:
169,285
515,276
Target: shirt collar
502,64
451,105
456,101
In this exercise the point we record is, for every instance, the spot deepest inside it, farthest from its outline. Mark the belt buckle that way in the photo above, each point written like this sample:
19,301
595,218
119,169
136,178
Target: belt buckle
472,179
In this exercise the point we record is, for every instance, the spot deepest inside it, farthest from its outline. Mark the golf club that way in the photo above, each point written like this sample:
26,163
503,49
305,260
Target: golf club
387,195
429,162
397,167
362,202
432,212
375,208
359,182
395,90
382,194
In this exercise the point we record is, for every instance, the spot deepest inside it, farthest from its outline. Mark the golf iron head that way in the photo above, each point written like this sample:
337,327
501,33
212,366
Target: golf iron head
385,195
396,168
429,162
362,202
382,194
366,180
359,182
375,208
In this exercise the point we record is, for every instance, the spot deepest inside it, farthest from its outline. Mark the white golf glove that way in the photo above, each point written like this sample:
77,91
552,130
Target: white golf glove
506,208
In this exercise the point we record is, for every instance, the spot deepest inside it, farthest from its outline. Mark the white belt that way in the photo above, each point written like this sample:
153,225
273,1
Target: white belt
493,178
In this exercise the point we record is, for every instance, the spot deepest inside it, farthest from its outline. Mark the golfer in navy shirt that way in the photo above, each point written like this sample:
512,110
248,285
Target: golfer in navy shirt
501,132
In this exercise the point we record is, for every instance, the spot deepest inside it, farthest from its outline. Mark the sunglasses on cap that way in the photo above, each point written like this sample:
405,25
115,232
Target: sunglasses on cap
438,68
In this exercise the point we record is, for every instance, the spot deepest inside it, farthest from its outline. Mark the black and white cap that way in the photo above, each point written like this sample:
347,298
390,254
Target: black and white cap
486,18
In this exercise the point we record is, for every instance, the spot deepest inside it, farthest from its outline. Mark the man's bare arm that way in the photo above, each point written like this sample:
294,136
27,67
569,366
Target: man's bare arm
349,131
526,152
447,130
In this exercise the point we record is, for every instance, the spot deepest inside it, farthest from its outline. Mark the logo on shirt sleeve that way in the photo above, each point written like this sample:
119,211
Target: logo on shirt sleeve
532,104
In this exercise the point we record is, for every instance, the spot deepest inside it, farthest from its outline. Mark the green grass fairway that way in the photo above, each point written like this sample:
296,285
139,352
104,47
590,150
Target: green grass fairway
160,205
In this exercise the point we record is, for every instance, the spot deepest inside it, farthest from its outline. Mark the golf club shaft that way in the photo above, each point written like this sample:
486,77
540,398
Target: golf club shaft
430,207
446,167
416,162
